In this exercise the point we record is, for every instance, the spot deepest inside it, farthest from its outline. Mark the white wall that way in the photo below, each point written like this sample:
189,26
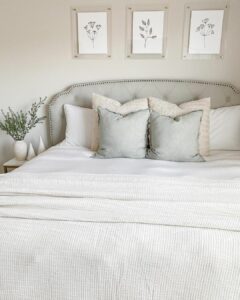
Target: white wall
35,53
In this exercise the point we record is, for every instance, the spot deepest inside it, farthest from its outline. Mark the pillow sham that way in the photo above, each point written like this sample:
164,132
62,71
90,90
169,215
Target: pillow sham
122,135
79,125
175,139
115,106
165,108
225,128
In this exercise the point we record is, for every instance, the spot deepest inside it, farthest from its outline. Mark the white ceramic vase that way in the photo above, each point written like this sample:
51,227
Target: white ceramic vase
20,150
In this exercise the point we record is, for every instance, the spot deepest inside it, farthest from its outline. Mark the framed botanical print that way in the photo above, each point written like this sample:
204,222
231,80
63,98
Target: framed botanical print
146,32
205,30
91,32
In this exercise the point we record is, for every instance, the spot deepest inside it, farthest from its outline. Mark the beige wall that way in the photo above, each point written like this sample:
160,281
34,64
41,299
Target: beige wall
35,53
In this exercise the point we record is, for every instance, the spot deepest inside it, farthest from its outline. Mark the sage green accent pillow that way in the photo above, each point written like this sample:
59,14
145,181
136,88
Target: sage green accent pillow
122,136
175,139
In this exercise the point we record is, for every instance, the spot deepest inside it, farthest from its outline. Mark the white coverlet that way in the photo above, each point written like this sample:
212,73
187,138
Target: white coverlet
68,159
89,236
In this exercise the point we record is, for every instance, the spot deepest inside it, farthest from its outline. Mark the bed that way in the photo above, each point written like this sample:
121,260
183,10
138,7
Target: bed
76,227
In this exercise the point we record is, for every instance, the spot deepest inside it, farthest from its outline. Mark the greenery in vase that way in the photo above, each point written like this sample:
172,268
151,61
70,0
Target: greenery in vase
18,124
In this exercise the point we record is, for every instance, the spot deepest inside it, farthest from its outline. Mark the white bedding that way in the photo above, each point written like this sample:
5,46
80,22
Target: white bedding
65,158
102,230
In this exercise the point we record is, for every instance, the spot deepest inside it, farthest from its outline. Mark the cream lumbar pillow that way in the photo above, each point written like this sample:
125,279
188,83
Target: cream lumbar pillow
172,110
114,106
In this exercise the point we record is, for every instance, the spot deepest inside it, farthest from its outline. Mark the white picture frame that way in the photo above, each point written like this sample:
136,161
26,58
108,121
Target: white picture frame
205,30
91,32
146,32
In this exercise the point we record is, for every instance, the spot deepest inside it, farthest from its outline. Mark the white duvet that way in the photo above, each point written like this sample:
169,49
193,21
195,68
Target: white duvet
85,235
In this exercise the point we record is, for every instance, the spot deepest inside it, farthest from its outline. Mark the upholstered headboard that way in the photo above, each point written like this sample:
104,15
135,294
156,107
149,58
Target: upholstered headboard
175,91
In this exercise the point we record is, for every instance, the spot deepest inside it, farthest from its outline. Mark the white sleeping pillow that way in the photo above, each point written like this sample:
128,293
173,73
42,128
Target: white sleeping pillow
79,125
225,128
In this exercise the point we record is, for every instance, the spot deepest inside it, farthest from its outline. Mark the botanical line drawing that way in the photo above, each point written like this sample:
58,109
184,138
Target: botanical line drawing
92,29
146,32
205,29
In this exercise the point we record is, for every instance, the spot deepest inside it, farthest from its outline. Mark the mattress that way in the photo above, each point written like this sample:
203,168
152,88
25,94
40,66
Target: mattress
69,159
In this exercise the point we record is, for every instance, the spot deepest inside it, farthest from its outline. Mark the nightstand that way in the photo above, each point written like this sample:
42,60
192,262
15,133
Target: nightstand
12,165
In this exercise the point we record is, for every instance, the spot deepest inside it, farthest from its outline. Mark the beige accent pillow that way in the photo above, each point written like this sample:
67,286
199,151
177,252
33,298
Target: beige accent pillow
115,106
172,110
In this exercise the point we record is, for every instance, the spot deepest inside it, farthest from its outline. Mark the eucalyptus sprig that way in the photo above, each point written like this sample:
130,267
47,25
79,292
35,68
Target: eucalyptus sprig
18,124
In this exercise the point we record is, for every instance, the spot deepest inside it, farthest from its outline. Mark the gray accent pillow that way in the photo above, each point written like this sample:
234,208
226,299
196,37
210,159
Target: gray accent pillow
175,139
122,136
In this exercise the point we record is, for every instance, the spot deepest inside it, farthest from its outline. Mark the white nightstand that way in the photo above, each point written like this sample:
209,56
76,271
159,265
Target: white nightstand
12,165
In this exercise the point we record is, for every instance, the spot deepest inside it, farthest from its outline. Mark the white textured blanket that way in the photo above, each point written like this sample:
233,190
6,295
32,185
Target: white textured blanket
71,236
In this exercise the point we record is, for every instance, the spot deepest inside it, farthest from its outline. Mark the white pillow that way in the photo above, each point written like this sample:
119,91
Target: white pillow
172,110
79,125
225,128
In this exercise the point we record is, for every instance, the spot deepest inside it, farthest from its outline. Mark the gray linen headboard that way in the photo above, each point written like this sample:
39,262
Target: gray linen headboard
175,91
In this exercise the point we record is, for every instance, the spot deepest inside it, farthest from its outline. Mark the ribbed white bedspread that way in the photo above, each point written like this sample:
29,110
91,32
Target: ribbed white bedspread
73,236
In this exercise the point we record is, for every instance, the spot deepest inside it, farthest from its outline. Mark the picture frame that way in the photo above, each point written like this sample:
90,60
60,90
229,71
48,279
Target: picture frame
205,31
91,32
146,32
